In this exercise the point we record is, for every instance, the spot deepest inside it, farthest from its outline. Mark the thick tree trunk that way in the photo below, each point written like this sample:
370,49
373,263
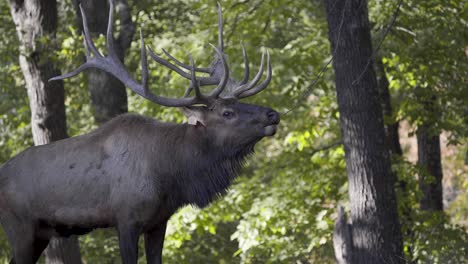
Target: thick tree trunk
108,95
430,181
376,235
36,25
429,159
35,19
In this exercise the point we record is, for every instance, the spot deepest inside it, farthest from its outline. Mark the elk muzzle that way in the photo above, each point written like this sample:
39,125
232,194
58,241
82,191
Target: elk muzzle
273,118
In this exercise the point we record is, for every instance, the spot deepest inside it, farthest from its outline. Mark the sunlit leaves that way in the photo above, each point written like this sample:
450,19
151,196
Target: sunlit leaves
425,51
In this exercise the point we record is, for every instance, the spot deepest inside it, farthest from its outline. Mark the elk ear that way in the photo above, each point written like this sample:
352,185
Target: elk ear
195,115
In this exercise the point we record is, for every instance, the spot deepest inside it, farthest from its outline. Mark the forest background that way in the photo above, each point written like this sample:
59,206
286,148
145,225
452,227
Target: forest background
283,208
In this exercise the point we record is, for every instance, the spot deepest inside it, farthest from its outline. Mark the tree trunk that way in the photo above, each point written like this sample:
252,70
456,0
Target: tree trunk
63,251
376,235
392,138
36,26
428,138
342,238
430,181
108,94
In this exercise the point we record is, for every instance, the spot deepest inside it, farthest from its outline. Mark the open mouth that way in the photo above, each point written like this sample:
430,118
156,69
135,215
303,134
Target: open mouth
270,130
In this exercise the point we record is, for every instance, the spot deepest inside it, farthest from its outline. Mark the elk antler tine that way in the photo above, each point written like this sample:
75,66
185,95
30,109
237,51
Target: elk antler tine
261,86
220,28
70,74
88,54
208,81
168,64
254,81
195,84
246,66
185,66
110,29
188,91
87,36
202,80
144,64
223,82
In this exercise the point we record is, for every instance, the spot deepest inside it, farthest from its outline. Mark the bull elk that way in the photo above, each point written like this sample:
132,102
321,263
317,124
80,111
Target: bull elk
134,172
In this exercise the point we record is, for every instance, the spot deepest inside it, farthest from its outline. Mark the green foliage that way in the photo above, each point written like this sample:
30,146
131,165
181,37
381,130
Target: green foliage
430,237
423,58
438,241
282,208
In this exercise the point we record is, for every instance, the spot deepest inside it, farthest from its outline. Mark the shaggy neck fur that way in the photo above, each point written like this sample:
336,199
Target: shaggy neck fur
190,165
208,173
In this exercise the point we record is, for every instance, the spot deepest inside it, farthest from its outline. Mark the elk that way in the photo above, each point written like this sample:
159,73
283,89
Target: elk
134,172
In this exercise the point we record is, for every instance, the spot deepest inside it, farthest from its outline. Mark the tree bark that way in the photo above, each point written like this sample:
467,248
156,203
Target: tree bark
392,138
63,251
108,94
375,229
429,159
342,238
36,26
430,181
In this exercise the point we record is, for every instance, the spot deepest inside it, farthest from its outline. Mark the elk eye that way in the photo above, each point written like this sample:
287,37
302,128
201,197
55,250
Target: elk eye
228,114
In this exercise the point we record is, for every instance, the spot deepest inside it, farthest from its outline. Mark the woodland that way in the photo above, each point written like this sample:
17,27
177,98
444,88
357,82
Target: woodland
369,164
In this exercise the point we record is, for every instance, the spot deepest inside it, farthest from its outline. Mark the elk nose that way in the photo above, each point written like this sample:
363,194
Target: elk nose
273,117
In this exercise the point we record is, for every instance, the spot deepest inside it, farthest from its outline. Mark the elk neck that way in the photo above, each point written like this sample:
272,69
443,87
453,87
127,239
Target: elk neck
207,168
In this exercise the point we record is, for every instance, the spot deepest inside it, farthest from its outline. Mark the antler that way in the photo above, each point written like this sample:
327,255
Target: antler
219,71
241,89
114,66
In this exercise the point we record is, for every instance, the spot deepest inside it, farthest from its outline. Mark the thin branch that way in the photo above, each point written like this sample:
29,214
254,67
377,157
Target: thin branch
233,28
308,91
325,147
387,30
313,152
239,3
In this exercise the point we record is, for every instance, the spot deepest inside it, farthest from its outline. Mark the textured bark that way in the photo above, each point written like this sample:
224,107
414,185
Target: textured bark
108,95
35,19
375,227
342,238
392,138
63,251
430,182
429,159
36,25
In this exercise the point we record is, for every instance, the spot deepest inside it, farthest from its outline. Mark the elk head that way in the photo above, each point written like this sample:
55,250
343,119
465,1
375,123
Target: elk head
219,112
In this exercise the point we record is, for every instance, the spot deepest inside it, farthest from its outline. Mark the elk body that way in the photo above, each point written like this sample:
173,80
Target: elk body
134,172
